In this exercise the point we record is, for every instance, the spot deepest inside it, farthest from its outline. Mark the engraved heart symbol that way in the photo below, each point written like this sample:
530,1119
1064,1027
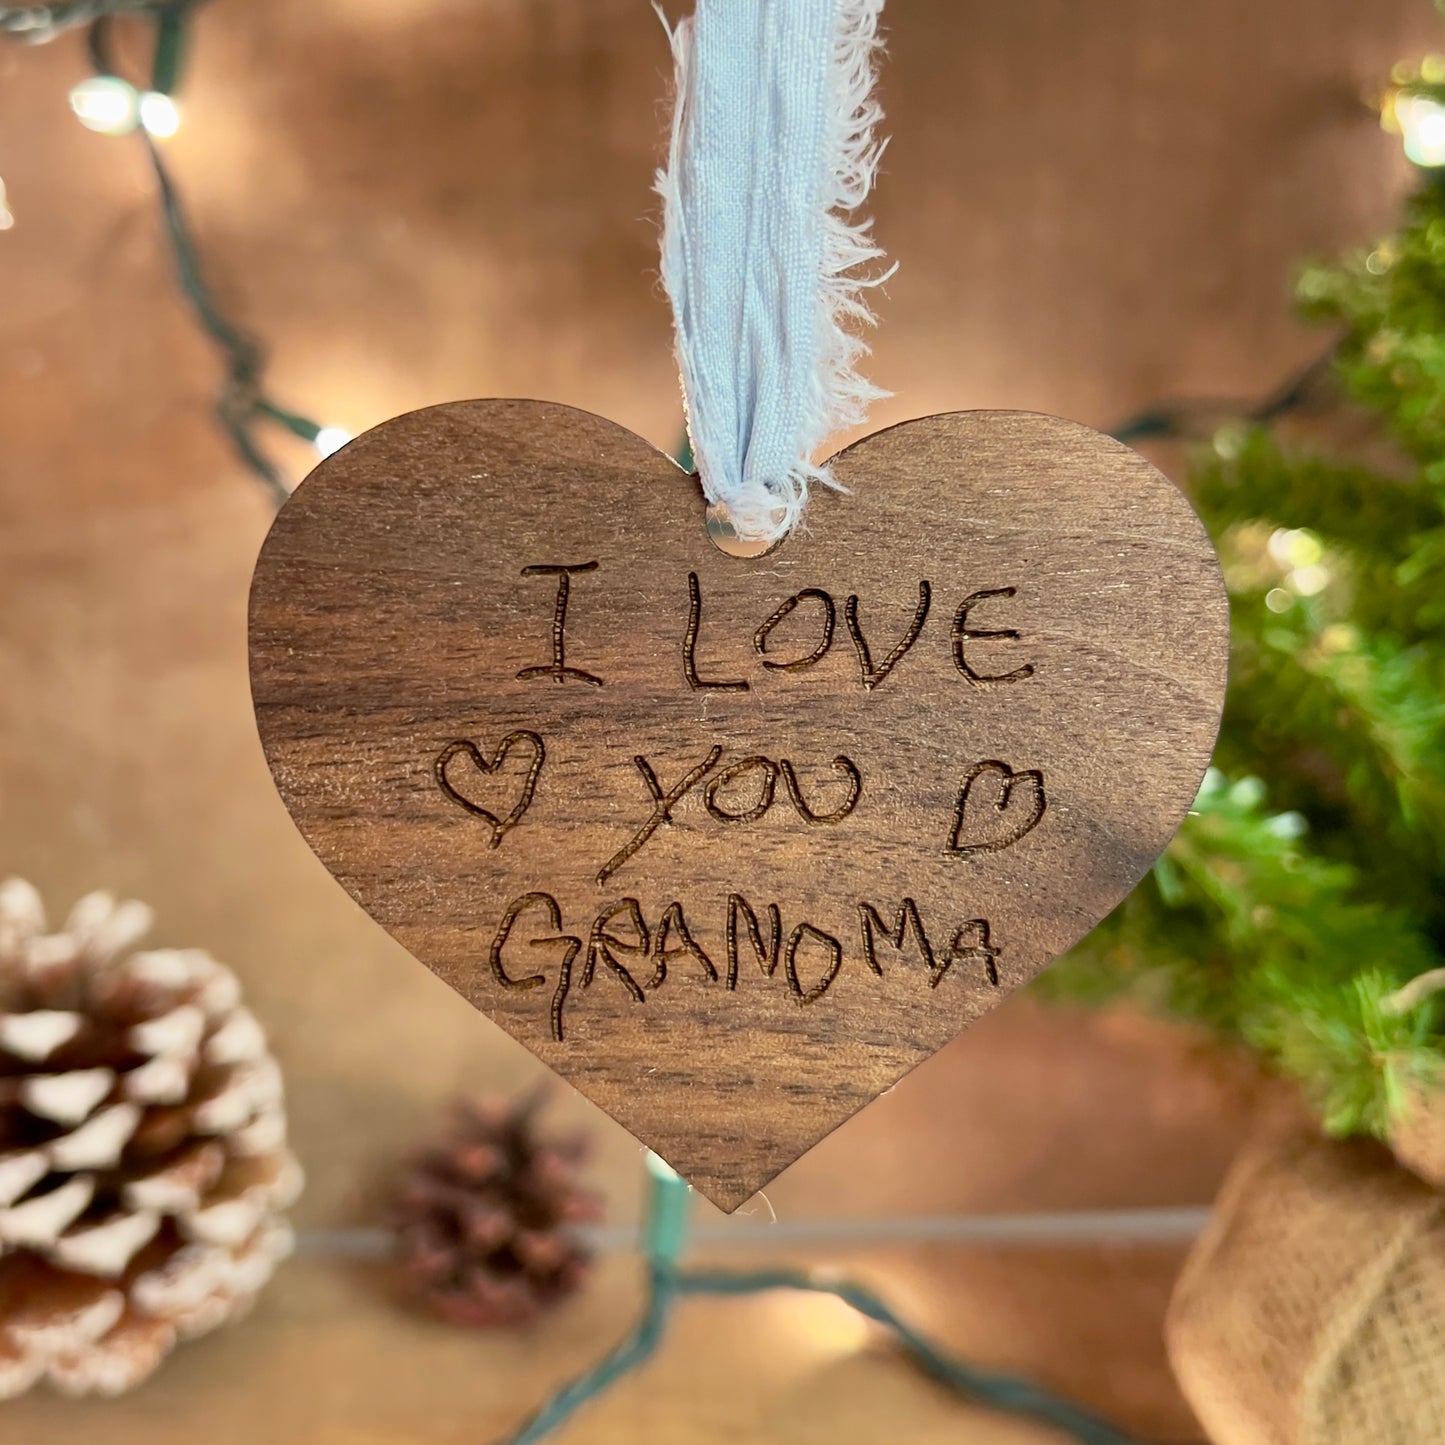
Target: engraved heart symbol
487,766
805,817
996,807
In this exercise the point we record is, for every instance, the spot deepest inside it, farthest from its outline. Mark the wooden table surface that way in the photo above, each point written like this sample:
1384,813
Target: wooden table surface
1093,205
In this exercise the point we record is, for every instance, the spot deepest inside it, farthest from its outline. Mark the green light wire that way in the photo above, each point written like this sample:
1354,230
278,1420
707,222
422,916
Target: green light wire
1178,421
243,404
664,1235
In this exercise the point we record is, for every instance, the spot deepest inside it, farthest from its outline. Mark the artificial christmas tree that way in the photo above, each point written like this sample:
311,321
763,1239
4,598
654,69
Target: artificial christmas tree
483,1217
1307,891
143,1154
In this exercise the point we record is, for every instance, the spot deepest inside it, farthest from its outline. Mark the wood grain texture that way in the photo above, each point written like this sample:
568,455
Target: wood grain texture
572,757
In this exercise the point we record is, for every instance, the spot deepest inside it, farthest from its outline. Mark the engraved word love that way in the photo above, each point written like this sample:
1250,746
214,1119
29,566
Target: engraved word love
870,675
732,845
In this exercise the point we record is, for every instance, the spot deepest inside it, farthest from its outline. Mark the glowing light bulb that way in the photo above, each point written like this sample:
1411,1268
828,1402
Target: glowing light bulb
1309,581
330,439
1295,547
1422,124
824,1326
159,115
105,103
7,218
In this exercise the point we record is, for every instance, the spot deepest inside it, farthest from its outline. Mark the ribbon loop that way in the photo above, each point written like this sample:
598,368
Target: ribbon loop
772,153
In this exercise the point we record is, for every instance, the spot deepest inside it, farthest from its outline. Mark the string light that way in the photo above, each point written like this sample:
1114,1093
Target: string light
1421,119
243,402
107,104
1414,109
1302,555
1294,547
669,1283
330,439
1187,420
159,114
111,105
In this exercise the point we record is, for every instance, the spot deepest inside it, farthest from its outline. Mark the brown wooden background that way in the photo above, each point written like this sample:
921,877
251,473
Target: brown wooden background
1093,204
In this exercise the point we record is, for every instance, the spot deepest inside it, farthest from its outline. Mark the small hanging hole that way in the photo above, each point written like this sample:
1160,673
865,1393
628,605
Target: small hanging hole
725,538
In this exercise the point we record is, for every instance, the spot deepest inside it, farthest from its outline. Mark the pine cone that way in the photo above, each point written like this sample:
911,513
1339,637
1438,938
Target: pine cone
142,1148
482,1218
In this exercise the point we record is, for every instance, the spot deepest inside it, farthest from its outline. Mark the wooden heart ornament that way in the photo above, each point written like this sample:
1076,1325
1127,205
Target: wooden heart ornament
732,845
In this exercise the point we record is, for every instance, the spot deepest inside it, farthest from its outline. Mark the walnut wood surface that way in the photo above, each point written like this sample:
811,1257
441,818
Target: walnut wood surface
465,733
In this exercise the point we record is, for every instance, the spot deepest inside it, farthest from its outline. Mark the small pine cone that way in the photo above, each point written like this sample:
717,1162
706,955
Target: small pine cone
483,1218
143,1155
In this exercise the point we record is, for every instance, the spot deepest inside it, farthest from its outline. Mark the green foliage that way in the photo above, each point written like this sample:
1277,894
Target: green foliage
1393,307
1244,927
1296,900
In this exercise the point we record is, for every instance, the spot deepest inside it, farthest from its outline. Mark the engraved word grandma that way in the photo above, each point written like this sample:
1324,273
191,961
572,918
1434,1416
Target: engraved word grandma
621,942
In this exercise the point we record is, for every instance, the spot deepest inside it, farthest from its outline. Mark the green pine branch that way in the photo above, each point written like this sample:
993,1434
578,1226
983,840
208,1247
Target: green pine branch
1241,926
1248,476
1389,299
1294,904
1347,727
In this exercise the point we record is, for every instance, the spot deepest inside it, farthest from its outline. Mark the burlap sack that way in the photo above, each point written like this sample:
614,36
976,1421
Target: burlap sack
1418,1137
1312,1309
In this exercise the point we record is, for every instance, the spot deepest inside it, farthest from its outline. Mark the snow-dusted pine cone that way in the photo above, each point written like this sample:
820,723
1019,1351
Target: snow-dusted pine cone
143,1155
484,1218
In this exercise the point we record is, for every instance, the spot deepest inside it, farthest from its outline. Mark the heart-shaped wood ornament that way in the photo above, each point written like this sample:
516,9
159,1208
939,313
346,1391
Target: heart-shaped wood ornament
734,844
